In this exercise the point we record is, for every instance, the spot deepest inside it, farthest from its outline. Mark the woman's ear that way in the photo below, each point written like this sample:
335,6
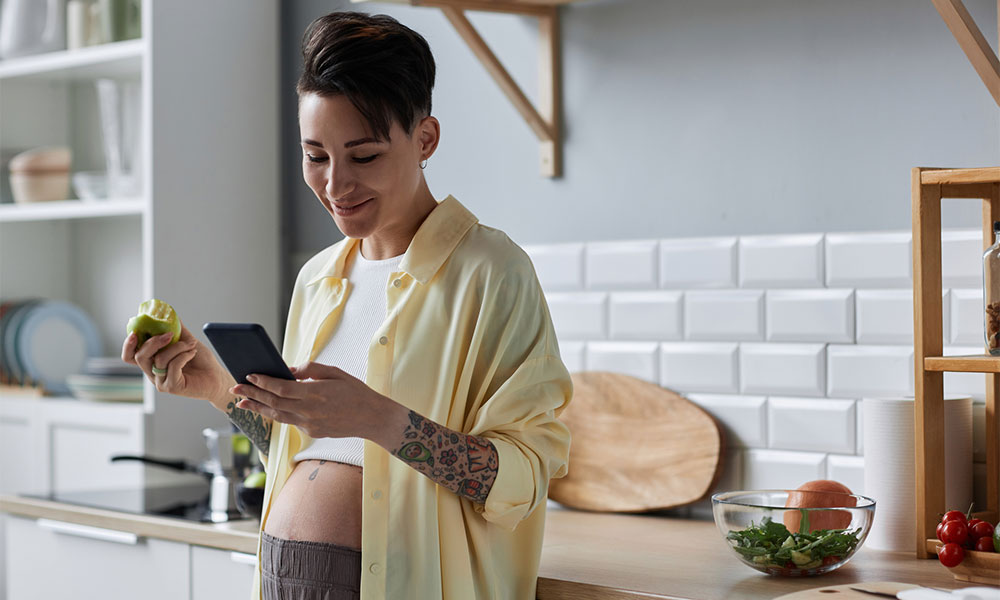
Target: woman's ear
428,135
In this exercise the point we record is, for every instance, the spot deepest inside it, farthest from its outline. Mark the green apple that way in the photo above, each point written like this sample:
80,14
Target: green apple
155,318
255,480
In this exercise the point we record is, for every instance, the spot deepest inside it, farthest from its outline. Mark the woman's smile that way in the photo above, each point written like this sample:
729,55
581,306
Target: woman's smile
350,210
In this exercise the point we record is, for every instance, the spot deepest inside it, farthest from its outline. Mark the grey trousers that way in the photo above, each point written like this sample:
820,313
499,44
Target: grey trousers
297,570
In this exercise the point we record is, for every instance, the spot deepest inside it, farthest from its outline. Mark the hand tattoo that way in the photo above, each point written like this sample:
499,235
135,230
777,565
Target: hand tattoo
464,464
255,426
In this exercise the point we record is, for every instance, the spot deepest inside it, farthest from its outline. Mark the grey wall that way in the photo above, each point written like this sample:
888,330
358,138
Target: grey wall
693,117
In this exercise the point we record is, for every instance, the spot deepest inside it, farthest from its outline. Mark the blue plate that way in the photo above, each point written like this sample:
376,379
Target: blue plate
54,341
11,321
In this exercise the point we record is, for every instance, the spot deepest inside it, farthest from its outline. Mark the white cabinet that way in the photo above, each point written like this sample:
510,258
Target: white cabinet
221,574
54,559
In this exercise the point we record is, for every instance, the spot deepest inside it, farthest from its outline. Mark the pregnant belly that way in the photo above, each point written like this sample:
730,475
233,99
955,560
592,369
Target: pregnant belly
320,502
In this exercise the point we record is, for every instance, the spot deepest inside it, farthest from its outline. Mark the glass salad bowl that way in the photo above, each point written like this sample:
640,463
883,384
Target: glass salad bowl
793,533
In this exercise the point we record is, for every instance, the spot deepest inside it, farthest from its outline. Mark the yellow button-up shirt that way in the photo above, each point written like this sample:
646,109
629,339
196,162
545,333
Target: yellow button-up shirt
468,343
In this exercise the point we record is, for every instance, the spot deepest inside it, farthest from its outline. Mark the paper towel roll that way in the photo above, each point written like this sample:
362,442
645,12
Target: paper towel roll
890,472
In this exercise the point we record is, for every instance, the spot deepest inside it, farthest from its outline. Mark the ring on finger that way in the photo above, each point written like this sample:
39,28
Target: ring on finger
158,371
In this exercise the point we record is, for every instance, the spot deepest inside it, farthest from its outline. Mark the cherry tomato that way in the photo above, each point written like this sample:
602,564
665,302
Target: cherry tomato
951,555
953,515
980,530
937,530
954,532
829,560
984,544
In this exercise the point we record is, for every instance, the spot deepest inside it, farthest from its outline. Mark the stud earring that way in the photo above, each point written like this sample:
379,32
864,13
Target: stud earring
423,164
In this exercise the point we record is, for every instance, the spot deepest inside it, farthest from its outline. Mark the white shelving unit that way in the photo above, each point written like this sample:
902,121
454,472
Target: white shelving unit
203,234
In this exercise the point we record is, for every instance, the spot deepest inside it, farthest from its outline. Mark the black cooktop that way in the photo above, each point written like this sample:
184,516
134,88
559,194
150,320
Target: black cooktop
186,501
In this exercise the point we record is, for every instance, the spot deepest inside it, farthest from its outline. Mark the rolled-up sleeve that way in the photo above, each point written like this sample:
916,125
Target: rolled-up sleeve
521,420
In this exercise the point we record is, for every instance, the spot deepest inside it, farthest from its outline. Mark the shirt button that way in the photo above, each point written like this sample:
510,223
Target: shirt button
383,340
397,283
375,568
377,494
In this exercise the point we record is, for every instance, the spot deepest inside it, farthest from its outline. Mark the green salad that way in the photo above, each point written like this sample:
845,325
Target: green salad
770,544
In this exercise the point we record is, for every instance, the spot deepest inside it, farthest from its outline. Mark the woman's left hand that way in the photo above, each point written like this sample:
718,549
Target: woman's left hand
332,404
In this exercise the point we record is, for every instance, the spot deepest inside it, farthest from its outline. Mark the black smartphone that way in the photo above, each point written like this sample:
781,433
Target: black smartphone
245,348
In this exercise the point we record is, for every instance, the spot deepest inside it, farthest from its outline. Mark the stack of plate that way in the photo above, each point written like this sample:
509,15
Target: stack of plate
107,379
44,342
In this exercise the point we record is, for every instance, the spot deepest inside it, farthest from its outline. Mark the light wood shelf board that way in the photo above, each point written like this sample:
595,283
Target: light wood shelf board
963,364
978,175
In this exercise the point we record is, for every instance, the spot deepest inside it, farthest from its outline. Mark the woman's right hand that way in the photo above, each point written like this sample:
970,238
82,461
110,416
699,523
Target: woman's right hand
192,370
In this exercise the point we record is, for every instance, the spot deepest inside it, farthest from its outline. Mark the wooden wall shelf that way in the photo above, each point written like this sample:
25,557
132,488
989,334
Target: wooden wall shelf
545,120
929,186
984,60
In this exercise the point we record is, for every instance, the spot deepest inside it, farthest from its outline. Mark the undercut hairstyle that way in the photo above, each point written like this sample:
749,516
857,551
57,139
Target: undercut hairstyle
384,68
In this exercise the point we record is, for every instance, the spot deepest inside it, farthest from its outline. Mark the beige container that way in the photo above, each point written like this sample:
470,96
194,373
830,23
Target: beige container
40,175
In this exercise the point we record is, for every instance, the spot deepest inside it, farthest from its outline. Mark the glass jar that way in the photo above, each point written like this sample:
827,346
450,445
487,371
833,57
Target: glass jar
991,293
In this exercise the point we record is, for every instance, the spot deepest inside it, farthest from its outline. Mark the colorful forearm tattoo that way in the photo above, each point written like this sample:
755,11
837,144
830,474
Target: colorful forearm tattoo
464,464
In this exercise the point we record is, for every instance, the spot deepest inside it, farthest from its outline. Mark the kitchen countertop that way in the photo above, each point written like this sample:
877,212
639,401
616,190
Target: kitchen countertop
585,556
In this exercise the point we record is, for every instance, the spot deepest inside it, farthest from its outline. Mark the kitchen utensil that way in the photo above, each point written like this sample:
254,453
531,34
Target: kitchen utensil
636,446
40,175
923,593
31,26
848,591
54,341
738,511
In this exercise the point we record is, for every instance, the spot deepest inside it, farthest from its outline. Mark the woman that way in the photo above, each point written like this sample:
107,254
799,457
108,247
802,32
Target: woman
411,457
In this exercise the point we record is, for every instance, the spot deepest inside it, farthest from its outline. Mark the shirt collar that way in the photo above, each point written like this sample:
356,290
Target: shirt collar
431,246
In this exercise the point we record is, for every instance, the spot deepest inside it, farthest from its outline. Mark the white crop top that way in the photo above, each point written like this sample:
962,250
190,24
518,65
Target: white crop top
347,349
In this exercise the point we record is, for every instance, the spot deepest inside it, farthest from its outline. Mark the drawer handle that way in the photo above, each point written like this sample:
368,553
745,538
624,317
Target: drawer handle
86,531
243,558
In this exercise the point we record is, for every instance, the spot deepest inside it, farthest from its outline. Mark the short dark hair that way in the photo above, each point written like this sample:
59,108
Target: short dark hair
383,67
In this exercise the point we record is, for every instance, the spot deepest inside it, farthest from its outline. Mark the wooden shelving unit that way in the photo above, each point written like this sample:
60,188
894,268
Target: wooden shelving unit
929,186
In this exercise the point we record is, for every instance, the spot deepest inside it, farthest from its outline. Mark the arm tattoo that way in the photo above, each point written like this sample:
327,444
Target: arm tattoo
465,464
255,426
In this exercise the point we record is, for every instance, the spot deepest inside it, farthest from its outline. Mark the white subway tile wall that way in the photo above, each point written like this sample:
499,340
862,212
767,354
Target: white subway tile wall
638,359
699,367
698,263
790,369
656,315
743,418
558,266
870,260
967,317
781,261
724,315
622,265
811,424
961,259
810,316
582,316
777,337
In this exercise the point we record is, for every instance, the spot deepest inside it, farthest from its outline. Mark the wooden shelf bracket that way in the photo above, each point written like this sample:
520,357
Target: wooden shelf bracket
984,60
546,119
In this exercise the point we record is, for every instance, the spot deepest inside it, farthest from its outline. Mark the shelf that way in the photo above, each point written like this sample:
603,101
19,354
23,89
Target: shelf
118,59
69,209
980,363
982,175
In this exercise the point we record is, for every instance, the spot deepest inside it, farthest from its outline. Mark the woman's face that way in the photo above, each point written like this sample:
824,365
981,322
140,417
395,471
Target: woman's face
367,185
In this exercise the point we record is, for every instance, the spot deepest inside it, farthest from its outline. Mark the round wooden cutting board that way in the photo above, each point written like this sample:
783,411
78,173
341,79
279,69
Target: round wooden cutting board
636,447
